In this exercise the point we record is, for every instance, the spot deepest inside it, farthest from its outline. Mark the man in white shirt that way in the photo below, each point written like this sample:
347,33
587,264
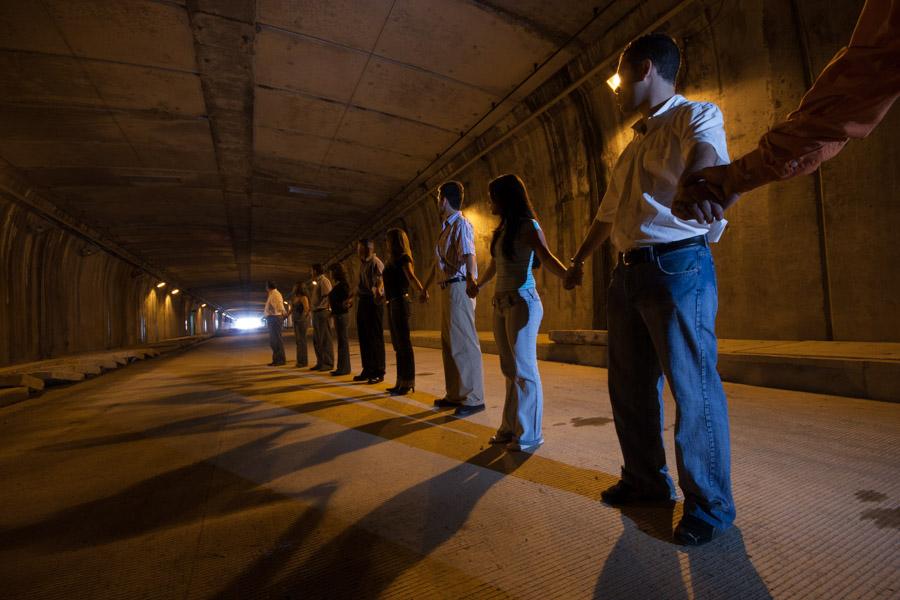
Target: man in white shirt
455,268
323,334
274,314
663,297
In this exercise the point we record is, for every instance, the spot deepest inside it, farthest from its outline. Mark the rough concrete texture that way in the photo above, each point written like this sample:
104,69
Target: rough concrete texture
854,369
217,477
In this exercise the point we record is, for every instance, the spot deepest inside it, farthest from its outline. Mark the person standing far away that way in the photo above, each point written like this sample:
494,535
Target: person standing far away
370,313
518,247
399,272
455,268
274,314
323,336
339,300
663,297
300,317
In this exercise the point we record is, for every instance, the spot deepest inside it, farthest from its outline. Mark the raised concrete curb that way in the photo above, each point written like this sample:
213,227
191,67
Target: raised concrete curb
19,382
855,369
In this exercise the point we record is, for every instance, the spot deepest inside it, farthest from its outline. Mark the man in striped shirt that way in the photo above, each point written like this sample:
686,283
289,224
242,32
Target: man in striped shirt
454,268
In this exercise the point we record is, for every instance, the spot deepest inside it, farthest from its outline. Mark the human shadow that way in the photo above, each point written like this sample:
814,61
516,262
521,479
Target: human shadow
362,561
649,566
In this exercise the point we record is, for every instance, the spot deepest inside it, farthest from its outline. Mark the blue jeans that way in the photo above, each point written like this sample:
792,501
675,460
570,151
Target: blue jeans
517,318
662,318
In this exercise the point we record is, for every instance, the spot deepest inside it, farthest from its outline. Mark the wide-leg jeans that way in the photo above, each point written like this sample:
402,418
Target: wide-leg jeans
517,318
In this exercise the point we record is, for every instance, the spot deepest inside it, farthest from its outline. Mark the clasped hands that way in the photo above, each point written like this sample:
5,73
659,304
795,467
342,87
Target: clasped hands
704,196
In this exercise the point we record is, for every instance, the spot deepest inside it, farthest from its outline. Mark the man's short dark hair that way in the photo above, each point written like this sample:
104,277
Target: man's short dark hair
453,192
270,285
658,48
318,269
366,242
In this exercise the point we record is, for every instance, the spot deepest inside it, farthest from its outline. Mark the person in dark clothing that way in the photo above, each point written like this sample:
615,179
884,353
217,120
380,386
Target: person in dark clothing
370,313
398,274
339,299
300,317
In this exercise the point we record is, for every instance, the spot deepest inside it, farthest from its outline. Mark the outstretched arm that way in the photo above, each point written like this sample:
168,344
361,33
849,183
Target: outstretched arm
536,240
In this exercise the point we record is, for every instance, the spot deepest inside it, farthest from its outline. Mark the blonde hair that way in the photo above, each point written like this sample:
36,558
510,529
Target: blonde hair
398,243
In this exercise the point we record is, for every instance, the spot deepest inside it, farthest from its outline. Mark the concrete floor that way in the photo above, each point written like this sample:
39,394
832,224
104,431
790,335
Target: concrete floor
208,475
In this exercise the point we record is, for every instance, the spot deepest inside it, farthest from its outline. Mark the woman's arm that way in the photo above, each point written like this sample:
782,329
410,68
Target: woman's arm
472,290
305,302
536,240
411,275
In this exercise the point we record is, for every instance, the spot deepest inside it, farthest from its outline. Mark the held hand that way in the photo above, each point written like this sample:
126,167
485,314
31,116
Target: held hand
471,288
423,297
574,277
704,196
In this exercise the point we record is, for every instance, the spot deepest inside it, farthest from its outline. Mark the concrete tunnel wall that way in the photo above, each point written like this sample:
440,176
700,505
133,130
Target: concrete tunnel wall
64,295
814,258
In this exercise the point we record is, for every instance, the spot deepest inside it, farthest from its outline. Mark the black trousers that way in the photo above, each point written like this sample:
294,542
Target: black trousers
341,326
274,325
370,329
399,311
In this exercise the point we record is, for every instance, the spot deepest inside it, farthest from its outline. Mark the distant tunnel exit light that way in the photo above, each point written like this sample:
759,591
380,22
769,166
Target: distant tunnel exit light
248,323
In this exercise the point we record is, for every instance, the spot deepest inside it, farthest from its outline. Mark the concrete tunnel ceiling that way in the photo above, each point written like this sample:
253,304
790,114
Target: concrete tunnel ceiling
227,143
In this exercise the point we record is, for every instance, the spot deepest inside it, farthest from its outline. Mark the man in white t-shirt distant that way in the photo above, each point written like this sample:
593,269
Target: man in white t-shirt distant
274,314
663,297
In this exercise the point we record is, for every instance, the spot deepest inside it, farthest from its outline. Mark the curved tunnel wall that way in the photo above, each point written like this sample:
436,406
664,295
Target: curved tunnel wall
64,295
811,258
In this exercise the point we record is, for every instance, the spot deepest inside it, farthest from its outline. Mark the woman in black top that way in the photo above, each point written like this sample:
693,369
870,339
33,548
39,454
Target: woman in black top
339,299
300,316
397,275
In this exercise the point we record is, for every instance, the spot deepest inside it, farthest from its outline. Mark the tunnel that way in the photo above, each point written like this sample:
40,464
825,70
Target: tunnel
176,174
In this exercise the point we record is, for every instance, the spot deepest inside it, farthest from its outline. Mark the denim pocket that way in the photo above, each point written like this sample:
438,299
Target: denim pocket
679,262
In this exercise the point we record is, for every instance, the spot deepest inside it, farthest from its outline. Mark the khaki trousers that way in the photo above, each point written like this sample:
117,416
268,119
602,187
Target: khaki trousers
463,374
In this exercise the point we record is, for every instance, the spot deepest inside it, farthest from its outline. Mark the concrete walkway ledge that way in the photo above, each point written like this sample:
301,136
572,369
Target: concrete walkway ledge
855,369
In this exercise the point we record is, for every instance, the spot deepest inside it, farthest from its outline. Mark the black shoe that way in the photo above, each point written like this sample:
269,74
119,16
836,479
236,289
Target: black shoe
361,377
316,367
337,373
300,365
376,379
465,411
400,390
271,364
623,494
444,403
694,531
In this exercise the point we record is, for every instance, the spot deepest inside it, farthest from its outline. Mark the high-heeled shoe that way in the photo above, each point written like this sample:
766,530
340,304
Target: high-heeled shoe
402,390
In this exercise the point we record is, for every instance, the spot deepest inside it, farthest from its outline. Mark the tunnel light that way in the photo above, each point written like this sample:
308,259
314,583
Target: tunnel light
161,284
203,305
175,292
614,82
248,323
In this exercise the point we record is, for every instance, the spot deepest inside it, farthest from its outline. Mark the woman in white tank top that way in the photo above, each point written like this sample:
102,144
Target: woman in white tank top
517,247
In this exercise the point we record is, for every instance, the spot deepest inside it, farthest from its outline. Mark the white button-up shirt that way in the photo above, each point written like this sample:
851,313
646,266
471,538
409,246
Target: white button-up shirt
456,240
645,179
274,305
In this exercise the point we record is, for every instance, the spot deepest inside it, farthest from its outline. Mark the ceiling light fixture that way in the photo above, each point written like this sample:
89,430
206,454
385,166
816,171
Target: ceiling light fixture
175,292
308,192
614,82
161,284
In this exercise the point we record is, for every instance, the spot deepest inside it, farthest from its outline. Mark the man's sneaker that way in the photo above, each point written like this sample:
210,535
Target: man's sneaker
694,531
465,411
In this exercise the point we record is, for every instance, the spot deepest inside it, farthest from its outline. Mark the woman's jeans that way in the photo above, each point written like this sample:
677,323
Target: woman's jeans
341,327
398,320
301,324
662,317
517,318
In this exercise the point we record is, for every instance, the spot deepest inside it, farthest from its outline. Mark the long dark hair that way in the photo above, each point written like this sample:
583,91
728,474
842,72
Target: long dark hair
338,273
509,193
398,243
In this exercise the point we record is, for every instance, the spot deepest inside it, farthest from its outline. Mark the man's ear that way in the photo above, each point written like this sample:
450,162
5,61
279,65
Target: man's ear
643,69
